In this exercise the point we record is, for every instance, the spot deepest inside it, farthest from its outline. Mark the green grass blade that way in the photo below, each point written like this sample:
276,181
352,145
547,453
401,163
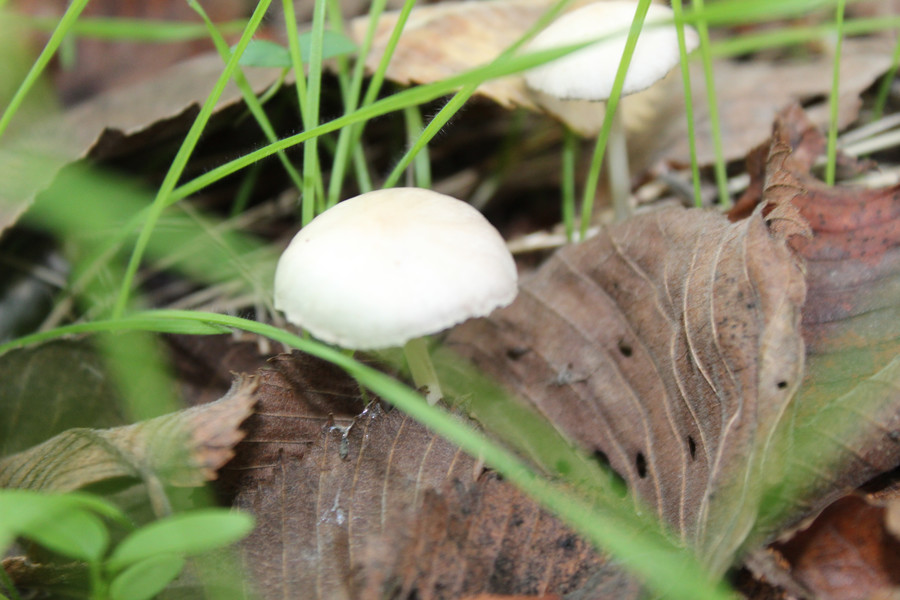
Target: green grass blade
885,88
296,54
434,126
834,97
570,149
421,175
311,171
462,96
181,158
688,101
136,30
788,36
350,138
59,34
346,150
713,106
593,176
253,103
506,65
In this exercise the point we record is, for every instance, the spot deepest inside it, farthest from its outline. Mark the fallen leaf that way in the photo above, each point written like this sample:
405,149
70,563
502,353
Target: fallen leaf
844,422
143,115
97,64
185,448
846,553
669,347
356,502
447,39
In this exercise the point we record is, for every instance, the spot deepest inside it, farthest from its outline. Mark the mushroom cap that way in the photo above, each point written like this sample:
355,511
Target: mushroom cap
380,269
588,74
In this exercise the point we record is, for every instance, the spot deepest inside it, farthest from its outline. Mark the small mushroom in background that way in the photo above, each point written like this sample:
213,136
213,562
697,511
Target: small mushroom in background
587,75
386,268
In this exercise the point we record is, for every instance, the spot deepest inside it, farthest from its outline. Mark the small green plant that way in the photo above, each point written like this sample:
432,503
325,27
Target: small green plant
77,527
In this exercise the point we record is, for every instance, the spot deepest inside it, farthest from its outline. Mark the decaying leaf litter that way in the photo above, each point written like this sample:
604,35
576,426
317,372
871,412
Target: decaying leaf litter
806,267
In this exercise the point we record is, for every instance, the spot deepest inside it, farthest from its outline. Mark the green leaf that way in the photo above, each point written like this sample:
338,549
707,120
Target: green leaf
264,53
145,579
187,533
33,514
75,533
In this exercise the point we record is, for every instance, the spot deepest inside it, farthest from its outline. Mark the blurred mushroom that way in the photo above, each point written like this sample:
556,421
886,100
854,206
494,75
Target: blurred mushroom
388,267
588,74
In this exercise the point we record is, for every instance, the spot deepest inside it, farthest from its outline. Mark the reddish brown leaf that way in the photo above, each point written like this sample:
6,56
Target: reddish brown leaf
845,419
668,346
846,553
363,503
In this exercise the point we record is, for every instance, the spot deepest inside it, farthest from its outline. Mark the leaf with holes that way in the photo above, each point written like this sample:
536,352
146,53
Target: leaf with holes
669,347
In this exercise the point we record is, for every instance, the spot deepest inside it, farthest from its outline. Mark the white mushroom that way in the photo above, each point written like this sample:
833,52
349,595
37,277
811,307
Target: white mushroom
588,74
385,268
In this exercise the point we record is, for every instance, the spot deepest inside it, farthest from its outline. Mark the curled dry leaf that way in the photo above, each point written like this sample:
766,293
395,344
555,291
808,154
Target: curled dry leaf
185,448
669,347
843,425
363,503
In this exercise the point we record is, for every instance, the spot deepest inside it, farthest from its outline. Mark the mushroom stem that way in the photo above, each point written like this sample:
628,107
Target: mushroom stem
617,168
422,369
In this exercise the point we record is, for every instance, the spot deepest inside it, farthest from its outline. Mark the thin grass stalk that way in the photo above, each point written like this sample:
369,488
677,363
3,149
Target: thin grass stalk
462,96
181,158
345,150
421,171
506,65
712,101
678,14
134,30
336,23
797,35
290,21
834,96
312,177
884,89
351,138
56,38
570,150
593,176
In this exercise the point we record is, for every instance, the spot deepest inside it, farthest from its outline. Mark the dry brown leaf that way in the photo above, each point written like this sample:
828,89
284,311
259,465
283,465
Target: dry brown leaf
846,553
452,37
668,346
185,448
102,64
354,503
144,113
